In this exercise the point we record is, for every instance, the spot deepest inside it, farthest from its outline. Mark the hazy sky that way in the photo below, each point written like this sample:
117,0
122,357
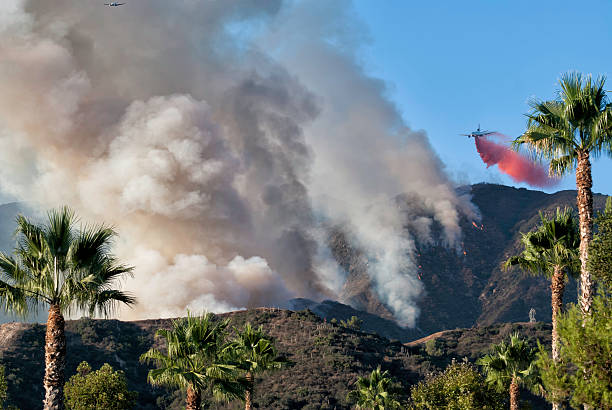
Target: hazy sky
452,65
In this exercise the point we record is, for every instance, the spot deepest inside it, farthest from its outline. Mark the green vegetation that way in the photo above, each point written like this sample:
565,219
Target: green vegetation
3,387
551,250
581,373
353,323
375,392
459,387
600,256
65,268
510,366
567,131
584,374
99,390
196,360
432,347
320,375
255,353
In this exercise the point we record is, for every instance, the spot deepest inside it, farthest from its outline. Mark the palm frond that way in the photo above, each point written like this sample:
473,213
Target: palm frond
554,243
105,302
59,232
90,246
193,357
578,120
58,264
14,299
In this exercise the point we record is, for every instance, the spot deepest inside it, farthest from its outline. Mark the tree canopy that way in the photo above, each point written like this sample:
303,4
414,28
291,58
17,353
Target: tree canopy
375,392
459,387
103,389
584,373
600,257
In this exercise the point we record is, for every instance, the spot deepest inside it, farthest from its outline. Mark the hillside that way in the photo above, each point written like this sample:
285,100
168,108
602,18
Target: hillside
327,359
466,287
463,287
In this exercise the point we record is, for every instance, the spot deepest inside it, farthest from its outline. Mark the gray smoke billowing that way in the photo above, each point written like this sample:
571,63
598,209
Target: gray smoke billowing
215,136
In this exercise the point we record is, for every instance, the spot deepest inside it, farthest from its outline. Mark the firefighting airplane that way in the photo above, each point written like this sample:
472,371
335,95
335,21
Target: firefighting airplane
479,133
114,4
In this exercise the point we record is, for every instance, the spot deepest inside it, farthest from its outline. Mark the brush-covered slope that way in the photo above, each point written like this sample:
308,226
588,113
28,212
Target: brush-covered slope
327,359
466,286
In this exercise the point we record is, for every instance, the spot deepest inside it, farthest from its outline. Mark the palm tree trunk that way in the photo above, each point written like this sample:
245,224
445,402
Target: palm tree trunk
514,395
194,399
55,360
584,182
557,287
248,394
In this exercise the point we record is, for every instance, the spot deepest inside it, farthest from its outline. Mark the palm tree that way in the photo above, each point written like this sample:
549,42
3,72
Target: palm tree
568,131
511,364
195,360
374,392
551,250
67,269
255,353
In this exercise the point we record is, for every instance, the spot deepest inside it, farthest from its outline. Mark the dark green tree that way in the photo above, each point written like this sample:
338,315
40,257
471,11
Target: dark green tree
600,253
568,131
254,353
196,360
510,366
375,392
66,269
103,389
459,387
584,373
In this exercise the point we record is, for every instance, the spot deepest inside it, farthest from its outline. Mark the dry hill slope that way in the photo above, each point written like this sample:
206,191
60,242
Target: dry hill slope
327,359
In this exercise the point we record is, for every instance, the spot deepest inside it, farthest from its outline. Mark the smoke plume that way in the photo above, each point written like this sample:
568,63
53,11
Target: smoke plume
217,137
513,164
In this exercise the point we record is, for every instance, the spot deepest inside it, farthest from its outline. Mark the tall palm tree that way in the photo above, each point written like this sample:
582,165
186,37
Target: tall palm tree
67,269
568,131
551,250
510,364
255,353
374,392
195,360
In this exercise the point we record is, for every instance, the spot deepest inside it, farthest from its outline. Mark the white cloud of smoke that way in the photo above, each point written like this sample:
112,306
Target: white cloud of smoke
214,135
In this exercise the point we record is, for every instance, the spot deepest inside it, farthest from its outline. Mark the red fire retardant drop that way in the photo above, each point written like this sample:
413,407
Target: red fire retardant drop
518,167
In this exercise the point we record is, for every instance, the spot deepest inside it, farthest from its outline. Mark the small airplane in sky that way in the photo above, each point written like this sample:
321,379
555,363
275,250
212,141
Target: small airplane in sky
114,4
478,133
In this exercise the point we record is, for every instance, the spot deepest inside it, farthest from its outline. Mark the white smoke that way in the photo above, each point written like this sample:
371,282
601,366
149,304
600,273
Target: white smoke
215,136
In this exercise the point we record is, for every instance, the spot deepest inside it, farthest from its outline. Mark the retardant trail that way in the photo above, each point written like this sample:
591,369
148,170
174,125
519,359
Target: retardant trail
518,167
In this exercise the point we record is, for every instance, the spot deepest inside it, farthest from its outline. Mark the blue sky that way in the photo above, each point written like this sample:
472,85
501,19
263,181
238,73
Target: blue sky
452,65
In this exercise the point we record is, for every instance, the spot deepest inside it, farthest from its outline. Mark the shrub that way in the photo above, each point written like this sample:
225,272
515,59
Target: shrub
460,386
103,389
353,323
432,347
